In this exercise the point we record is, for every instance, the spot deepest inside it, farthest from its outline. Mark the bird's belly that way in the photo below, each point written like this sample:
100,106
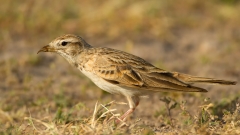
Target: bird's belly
109,87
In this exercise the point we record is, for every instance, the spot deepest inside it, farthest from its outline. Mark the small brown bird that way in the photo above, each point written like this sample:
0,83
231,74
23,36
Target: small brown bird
118,72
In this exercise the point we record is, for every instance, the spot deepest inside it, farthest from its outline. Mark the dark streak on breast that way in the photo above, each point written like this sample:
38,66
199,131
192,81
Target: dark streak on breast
111,72
75,64
112,81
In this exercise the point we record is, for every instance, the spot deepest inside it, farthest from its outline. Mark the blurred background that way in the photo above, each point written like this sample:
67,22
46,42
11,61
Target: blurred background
194,37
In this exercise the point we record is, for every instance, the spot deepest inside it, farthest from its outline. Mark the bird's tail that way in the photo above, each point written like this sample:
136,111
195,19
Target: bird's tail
194,79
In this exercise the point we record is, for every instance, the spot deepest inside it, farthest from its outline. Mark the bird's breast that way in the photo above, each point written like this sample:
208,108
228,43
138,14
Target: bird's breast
109,87
101,83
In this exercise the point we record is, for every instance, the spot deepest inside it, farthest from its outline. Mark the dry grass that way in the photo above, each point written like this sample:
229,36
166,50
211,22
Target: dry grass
42,94
102,122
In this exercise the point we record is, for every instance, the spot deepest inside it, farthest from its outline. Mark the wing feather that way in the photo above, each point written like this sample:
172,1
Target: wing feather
139,74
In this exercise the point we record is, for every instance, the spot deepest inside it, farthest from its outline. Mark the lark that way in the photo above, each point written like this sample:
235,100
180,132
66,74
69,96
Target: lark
118,72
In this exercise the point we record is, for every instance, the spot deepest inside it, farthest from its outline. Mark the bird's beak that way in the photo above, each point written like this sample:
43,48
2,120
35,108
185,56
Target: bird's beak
47,48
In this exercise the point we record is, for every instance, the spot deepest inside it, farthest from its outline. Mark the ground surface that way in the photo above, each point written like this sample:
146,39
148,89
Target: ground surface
43,94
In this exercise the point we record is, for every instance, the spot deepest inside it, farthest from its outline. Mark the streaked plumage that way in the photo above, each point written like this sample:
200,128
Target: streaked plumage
122,73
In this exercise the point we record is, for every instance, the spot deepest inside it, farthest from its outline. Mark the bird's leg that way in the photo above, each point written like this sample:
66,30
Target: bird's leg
133,103
129,111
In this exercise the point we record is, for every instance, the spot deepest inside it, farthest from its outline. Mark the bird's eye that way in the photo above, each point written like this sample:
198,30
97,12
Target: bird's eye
64,43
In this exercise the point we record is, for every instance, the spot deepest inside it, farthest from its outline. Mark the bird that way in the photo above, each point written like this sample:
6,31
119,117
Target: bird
122,73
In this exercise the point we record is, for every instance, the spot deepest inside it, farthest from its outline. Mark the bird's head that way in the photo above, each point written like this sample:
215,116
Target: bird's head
67,46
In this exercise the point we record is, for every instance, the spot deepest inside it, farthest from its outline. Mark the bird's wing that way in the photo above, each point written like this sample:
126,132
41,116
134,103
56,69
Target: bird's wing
130,71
